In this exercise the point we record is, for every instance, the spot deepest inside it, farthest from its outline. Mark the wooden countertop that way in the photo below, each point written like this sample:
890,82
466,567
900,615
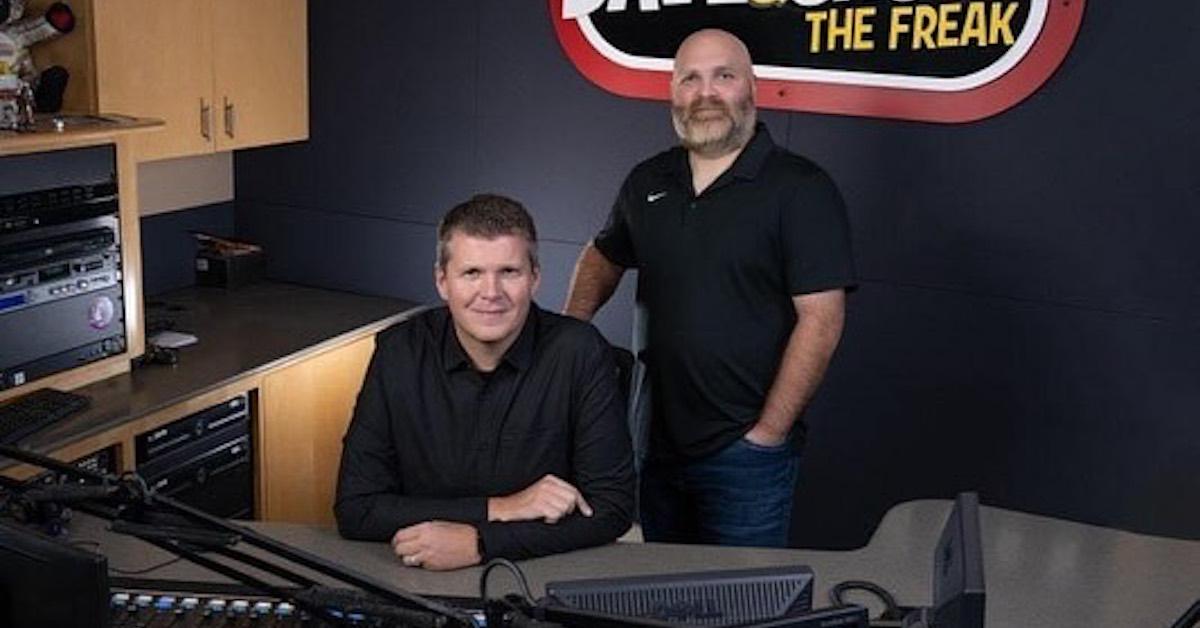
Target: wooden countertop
76,131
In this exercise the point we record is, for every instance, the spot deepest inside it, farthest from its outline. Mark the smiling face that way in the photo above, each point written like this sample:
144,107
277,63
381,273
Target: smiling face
488,284
712,94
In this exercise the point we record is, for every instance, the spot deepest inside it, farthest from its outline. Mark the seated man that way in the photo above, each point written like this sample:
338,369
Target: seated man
489,427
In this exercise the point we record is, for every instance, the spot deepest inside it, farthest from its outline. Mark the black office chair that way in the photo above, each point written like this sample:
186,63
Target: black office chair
624,359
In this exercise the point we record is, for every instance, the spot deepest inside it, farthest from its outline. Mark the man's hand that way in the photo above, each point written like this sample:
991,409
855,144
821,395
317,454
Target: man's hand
763,436
819,320
437,545
549,499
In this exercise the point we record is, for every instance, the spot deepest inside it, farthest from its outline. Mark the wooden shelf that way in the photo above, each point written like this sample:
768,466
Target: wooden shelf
77,131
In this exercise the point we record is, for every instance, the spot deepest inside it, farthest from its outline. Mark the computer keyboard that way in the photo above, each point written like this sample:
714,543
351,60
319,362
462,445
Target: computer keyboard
24,415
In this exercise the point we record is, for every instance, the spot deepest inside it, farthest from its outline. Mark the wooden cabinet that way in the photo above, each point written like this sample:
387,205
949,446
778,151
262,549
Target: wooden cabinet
155,59
260,72
222,74
304,411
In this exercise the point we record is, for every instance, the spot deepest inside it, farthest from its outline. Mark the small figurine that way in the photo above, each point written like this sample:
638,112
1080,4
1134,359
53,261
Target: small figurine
22,88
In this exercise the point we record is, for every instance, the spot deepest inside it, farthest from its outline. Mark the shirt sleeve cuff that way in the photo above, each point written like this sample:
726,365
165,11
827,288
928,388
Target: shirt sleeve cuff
612,254
494,541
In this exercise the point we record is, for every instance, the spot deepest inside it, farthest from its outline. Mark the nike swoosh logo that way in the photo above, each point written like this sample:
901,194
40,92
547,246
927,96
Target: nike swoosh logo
654,196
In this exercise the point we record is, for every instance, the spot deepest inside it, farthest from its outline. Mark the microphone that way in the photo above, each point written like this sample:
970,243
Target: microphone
69,493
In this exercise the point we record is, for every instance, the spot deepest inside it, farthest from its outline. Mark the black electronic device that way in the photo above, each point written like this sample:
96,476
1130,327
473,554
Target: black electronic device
25,372
204,459
47,583
846,616
139,603
958,587
707,598
32,411
216,477
154,444
32,253
102,461
31,209
62,299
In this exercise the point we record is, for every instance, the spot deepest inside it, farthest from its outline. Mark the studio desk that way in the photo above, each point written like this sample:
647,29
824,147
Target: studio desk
1039,571
298,353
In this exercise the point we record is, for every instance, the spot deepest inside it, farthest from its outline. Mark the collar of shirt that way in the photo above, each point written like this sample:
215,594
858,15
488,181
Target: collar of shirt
518,356
746,166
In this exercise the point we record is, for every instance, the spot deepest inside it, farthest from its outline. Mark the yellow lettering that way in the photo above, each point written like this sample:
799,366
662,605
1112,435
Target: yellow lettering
816,19
1001,27
975,25
898,27
862,28
945,24
924,26
839,31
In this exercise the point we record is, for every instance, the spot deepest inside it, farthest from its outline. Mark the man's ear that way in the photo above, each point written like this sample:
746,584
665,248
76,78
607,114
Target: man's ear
537,279
439,280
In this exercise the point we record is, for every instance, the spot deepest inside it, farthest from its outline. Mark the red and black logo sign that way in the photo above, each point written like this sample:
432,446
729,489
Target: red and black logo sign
933,60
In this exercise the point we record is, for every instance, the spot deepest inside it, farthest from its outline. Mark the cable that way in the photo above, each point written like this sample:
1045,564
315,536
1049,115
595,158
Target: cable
1189,618
891,608
138,572
516,571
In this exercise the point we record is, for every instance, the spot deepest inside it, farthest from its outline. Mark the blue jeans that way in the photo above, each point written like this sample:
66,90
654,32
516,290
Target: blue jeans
741,495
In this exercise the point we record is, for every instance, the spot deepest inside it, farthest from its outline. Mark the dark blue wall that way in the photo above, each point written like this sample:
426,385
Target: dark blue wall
1025,323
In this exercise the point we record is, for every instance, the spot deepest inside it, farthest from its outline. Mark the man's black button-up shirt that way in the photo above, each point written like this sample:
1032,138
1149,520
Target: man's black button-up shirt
432,438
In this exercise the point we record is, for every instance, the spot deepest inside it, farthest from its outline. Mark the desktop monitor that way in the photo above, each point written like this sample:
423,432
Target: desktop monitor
958,590
709,598
46,583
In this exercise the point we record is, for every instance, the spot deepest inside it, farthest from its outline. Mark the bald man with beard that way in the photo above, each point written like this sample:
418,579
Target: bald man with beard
743,259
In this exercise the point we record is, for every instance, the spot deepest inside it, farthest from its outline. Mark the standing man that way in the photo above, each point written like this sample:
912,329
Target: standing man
488,427
743,257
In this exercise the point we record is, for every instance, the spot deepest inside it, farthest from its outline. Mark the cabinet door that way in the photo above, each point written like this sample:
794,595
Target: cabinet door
260,61
153,59
305,410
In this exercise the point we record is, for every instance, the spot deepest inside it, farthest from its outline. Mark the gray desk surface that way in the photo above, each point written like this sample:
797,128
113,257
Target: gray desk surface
241,332
1039,571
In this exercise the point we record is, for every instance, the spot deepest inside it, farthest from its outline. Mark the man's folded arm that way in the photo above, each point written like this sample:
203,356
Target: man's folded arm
602,470
519,540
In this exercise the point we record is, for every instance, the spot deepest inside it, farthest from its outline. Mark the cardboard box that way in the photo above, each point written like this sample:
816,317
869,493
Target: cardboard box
229,270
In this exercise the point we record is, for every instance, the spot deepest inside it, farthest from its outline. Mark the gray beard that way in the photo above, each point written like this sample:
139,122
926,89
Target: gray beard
736,137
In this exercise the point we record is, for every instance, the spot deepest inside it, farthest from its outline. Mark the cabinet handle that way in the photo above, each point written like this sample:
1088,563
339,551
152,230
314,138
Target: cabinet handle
205,120
230,117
